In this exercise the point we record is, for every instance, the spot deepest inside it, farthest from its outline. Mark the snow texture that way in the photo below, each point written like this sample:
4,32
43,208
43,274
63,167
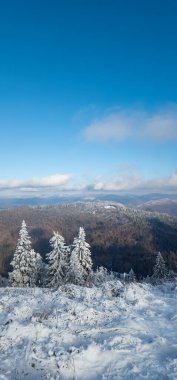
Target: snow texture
106,332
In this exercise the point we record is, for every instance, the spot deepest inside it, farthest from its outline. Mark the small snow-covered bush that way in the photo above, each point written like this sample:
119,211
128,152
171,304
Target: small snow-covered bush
112,288
102,275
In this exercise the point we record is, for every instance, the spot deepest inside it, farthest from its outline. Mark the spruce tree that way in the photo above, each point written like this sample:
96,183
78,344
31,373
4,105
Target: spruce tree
81,254
23,263
75,269
57,261
131,275
36,268
160,271
67,267
40,270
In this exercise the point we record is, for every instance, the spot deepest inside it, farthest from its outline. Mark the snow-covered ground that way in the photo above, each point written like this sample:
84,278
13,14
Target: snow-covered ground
111,332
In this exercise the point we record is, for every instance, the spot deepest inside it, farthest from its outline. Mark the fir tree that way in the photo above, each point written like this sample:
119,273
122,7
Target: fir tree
75,269
57,262
160,271
24,262
67,268
40,270
36,268
131,275
81,254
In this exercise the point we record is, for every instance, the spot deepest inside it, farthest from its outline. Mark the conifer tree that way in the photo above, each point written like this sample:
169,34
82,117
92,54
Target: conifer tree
132,276
40,270
81,256
24,261
57,261
75,270
67,267
36,268
160,271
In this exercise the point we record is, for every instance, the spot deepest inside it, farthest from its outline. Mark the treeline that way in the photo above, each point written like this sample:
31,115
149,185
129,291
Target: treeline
66,264
120,238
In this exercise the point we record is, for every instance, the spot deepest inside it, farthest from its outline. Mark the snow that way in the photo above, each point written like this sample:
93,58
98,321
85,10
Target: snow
113,331
114,206
109,206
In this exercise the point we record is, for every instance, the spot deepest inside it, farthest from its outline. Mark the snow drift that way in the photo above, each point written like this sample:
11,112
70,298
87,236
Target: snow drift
112,331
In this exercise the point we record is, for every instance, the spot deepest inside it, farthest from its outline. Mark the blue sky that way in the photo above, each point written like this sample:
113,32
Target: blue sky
88,96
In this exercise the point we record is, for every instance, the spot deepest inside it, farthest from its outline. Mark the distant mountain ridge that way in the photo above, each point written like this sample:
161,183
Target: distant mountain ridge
131,200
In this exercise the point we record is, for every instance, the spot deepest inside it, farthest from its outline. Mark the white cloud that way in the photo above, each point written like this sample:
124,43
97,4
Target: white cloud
62,184
118,183
173,180
161,127
112,127
158,126
53,180
135,183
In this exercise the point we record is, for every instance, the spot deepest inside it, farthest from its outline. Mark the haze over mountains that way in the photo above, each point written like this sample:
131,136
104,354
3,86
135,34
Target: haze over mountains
165,203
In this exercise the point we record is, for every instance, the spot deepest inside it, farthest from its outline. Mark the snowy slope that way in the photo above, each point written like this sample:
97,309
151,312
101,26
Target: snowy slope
111,332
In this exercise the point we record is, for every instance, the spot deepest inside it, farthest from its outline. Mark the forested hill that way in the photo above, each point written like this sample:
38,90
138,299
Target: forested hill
168,206
121,238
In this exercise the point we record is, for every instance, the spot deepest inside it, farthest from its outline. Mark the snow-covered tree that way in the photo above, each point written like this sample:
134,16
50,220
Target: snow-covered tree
160,271
37,268
24,261
75,269
67,267
81,260
57,261
131,275
41,270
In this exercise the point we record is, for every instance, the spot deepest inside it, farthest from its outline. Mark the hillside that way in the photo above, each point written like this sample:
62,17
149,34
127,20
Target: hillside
120,237
167,206
110,332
